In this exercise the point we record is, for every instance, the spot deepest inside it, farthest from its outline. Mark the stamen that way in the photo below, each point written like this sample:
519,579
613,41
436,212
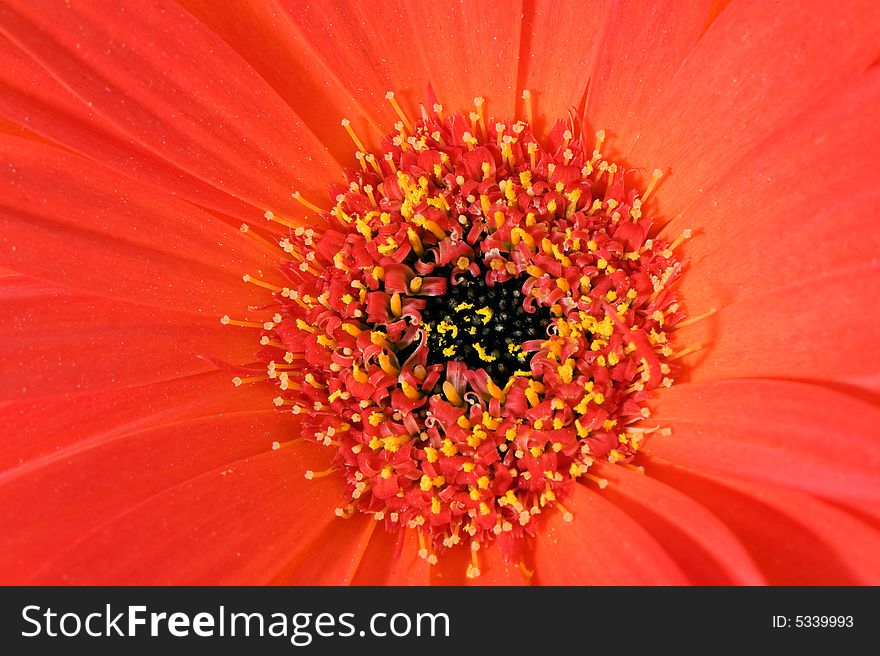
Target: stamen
277,219
298,196
566,514
685,234
473,568
479,101
238,382
389,96
351,133
693,320
312,475
530,116
260,283
655,178
226,321
686,351
246,229
601,482
276,446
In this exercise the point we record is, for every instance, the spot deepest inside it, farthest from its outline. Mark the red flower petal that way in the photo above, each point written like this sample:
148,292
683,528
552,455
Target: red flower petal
795,538
763,64
642,47
330,557
84,487
33,98
496,568
252,514
55,341
702,545
602,546
264,35
819,330
179,90
392,559
463,51
791,434
68,220
558,45
57,426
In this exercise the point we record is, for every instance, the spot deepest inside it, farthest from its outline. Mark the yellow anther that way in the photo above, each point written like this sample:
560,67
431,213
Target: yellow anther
387,366
451,394
360,376
411,392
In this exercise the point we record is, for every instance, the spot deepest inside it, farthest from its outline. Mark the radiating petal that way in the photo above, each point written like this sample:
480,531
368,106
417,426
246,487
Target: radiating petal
55,341
52,428
791,434
819,330
70,221
558,46
180,91
31,97
706,550
331,557
231,525
641,48
601,546
392,558
279,49
756,68
795,538
496,568
462,51
48,503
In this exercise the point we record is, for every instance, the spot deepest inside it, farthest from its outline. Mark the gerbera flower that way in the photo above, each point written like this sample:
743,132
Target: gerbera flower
365,415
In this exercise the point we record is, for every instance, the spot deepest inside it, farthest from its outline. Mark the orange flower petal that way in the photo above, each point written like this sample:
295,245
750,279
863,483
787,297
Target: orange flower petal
330,557
75,492
558,45
73,222
55,341
180,91
795,538
232,524
392,558
702,545
743,82
279,49
820,330
801,436
642,47
602,546
58,426
34,99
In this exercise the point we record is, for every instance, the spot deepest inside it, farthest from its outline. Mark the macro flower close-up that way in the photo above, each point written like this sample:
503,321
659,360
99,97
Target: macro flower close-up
514,292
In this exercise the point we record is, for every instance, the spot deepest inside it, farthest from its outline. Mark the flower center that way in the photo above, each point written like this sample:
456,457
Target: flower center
480,321
482,326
